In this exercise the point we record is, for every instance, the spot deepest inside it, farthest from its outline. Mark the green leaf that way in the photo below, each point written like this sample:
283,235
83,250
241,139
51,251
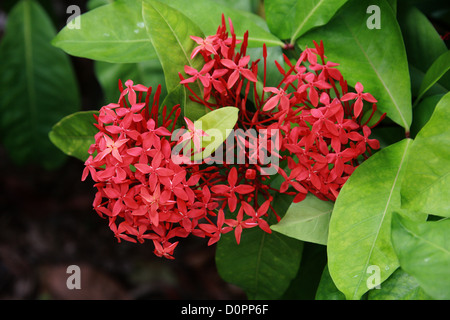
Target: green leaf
37,86
374,57
207,15
434,73
263,264
423,249
113,33
425,186
148,73
423,112
422,42
217,124
307,220
170,32
75,133
327,290
399,286
359,232
290,19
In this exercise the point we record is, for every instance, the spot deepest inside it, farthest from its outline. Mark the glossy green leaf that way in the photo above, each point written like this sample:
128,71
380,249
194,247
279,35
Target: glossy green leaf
307,220
75,133
423,112
425,187
37,86
422,42
113,33
170,32
290,19
399,286
207,14
374,57
359,232
423,249
434,73
217,124
263,264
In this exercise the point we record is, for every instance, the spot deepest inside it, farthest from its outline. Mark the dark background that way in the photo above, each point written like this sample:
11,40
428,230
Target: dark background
47,223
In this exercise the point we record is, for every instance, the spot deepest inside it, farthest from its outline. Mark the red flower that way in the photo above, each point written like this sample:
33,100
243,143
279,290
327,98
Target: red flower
240,68
359,96
239,224
232,188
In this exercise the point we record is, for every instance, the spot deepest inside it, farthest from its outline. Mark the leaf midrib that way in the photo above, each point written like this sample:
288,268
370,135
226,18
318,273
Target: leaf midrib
355,293
294,35
417,236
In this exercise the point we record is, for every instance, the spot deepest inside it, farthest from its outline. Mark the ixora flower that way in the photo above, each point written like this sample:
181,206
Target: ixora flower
320,140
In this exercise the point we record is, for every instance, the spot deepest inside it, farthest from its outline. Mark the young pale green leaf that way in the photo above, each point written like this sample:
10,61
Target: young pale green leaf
217,124
307,220
374,57
112,33
37,86
75,133
170,31
399,286
263,264
207,15
438,69
423,249
425,187
359,231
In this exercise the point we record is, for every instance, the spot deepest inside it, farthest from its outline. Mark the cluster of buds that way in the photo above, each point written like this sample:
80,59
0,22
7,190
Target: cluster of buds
319,141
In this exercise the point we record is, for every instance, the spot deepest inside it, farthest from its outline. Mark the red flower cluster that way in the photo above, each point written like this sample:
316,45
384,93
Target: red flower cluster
320,140
322,135
141,191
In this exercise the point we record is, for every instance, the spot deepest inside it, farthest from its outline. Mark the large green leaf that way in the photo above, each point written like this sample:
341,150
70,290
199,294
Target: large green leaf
438,69
207,15
307,220
290,19
170,32
263,264
359,232
399,286
425,187
423,249
374,57
75,133
112,33
37,86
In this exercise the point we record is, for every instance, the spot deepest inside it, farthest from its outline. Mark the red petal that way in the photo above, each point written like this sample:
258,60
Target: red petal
244,189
